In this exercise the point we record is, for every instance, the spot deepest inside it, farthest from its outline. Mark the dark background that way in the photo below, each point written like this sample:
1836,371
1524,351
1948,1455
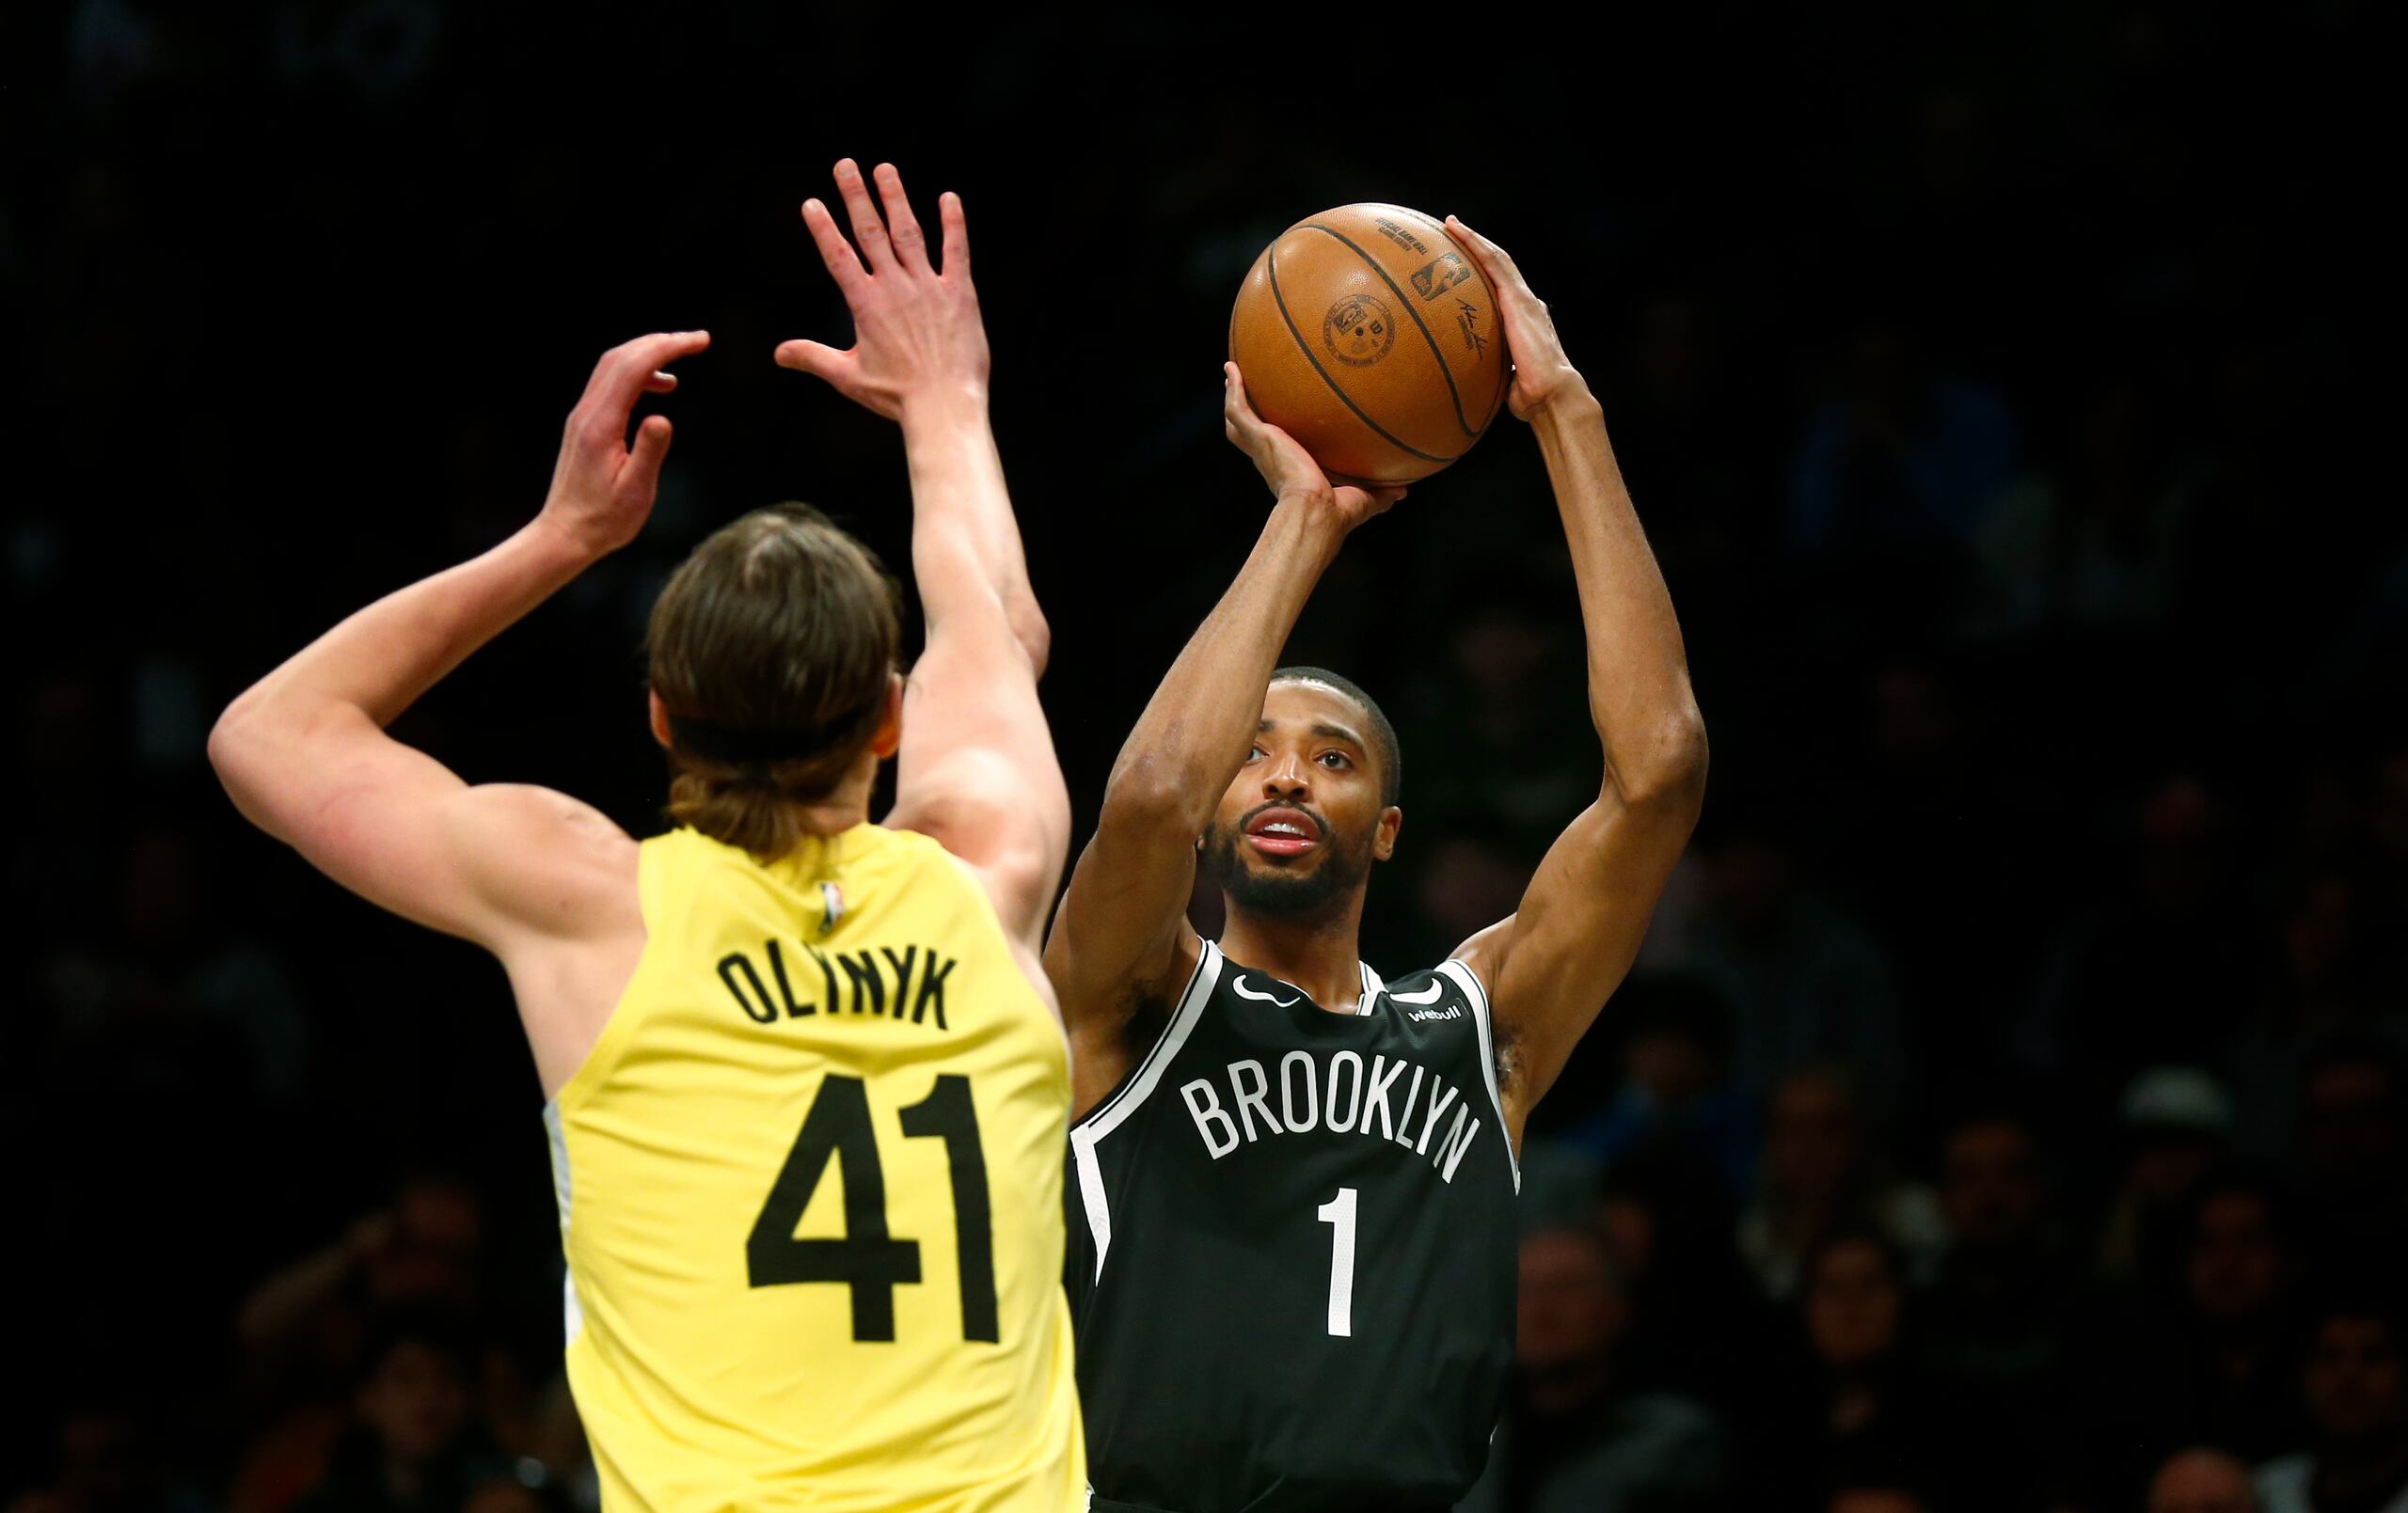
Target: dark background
1996,384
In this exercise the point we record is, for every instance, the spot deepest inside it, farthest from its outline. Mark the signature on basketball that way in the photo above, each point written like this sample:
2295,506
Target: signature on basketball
1467,321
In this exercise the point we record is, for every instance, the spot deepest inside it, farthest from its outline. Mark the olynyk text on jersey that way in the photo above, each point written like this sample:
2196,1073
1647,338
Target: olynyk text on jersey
1335,1093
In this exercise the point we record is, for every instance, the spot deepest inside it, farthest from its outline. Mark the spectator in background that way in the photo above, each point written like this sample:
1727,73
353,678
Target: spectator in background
1576,1436
423,1250
2215,1364
2098,552
1901,465
2357,1395
1512,760
1803,981
2159,970
303,1331
2177,1124
1696,1326
1858,1404
1934,831
2202,1481
2322,985
1821,1173
106,1460
409,1449
173,1000
2352,1149
2001,1311
1675,1093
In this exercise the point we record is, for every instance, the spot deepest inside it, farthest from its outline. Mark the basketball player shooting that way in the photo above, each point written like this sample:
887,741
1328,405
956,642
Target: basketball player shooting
1294,1235
776,991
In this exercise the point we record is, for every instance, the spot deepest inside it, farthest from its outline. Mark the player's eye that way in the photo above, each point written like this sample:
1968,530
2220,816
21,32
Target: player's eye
1254,754
1335,761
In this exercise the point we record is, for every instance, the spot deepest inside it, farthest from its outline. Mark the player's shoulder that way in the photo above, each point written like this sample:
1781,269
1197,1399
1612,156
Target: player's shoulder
551,862
1448,989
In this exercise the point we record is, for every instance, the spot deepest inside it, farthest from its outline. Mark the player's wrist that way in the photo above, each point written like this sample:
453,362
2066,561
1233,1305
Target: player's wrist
1565,396
1310,513
556,545
954,401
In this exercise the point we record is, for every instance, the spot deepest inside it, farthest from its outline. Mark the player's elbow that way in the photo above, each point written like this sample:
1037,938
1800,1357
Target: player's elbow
1029,629
236,744
1666,771
1150,799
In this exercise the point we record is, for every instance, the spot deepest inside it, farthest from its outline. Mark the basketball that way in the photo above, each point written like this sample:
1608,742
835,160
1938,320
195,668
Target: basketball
1371,337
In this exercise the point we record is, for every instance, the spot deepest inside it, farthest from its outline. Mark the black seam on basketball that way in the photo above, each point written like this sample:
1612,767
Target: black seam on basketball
1305,347
1444,371
1495,302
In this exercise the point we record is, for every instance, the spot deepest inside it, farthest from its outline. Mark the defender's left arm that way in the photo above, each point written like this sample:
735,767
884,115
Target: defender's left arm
1550,967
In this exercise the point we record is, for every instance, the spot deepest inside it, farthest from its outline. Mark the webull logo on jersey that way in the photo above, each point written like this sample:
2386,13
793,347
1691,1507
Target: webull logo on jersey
1453,1011
1337,1093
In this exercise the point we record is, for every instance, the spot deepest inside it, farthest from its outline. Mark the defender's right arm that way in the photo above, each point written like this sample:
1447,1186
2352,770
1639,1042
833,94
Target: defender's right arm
1122,938
977,768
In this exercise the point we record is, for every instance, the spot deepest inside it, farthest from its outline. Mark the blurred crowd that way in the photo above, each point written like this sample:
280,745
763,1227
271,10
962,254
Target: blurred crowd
2009,1110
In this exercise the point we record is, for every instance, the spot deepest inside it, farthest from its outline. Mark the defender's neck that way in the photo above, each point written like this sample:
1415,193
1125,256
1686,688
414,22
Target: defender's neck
1319,952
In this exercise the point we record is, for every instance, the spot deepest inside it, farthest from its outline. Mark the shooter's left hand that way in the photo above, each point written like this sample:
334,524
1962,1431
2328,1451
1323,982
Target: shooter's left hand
1543,375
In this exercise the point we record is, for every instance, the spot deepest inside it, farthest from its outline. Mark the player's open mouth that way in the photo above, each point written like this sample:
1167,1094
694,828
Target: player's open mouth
1283,833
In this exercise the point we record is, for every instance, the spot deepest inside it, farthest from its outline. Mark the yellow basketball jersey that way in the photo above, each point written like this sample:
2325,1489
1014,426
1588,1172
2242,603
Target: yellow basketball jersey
810,1190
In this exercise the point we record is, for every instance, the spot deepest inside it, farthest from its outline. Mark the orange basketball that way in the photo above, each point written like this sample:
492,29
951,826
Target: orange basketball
1367,334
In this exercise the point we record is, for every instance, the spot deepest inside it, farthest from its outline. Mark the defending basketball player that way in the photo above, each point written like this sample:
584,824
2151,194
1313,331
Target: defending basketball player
806,1087
1293,1241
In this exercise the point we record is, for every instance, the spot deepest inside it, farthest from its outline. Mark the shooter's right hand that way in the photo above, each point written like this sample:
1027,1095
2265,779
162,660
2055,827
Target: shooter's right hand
1286,466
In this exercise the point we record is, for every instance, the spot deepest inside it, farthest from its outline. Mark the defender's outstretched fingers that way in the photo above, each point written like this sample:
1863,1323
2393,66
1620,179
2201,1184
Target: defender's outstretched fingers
627,372
813,357
867,228
844,263
902,227
640,476
957,235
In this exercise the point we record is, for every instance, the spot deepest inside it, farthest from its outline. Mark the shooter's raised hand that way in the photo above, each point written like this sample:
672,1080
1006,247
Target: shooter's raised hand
603,486
1285,465
917,335
1542,373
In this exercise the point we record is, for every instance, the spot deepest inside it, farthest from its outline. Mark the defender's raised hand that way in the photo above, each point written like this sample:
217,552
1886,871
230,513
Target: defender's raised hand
1542,373
916,328
1285,465
602,487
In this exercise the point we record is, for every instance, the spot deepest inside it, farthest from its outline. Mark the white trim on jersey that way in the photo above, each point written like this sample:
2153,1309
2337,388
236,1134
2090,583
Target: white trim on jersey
1469,982
1107,1117
1372,987
572,1314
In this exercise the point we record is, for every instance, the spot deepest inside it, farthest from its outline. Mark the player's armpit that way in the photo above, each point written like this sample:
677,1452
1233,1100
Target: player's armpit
1550,967
1122,938
978,802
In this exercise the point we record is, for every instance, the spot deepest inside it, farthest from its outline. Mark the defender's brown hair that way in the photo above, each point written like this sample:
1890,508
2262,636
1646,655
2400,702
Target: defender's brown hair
771,648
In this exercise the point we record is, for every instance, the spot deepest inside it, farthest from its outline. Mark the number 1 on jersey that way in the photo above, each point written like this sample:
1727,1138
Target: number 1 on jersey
1338,1213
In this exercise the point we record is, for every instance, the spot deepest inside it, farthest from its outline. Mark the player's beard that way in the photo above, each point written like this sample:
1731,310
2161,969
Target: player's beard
1279,892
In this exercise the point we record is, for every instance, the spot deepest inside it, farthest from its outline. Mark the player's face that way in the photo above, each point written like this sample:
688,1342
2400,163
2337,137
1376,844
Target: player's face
1300,825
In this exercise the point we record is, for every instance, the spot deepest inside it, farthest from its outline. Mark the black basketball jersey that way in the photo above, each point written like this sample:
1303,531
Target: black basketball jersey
1292,1254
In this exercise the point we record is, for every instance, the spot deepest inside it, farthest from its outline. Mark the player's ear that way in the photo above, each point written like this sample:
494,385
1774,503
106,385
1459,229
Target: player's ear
889,725
1384,837
659,719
